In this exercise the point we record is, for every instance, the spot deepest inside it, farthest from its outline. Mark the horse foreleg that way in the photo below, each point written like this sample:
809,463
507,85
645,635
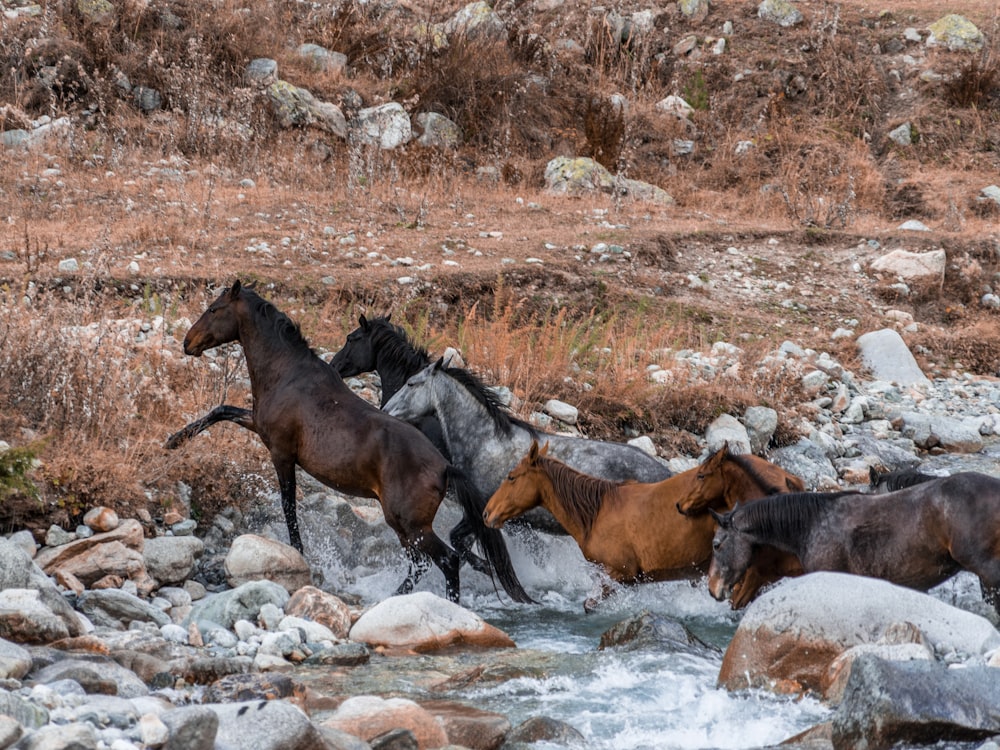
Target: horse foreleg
222,413
286,483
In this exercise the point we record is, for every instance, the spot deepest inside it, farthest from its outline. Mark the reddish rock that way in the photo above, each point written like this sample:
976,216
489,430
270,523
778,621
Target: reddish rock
310,603
101,519
468,726
368,716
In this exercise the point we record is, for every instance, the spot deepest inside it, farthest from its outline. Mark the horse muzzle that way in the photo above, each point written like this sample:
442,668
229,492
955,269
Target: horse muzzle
491,521
192,347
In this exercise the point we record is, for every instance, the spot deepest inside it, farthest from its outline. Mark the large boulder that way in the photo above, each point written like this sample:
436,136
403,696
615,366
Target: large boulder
326,609
912,267
888,358
254,558
264,725
242,603
889,703
425,622
170,559
790,636
368,716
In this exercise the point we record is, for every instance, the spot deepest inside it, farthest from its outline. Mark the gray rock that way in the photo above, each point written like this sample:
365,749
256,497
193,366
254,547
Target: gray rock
888,358
323,59
15,662
901,135
297,107
808,461
647,630
929,431
886,703
26,713
264,725
115,608
727,429
780,12
437,131
955,32
77,736
170,559
190,728
262,71
386,126
97,674
10,731
147,99
241,603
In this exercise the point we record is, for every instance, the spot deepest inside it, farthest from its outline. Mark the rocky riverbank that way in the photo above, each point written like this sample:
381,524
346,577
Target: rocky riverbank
135,633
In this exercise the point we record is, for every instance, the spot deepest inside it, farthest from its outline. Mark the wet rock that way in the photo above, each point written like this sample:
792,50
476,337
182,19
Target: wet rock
890,703
651,631
368,716
789,637
254,558
340,655
468,726
543,729
425,622
252,687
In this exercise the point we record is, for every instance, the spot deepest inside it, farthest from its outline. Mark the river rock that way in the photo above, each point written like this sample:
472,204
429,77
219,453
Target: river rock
264,725
170,559
117,609
15,662
467,726
368,716
652,631
190,728
241,603
937,430
314,604
97,674
888,358
789,636
887,703
253,558
544,729
26,618
425,622
18,571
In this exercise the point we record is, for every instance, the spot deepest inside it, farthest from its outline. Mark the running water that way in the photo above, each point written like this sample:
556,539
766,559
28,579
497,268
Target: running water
648,698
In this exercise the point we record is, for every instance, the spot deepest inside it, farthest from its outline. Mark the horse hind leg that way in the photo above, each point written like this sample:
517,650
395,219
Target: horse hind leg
286,483
462,538
430,545
223,413
418,564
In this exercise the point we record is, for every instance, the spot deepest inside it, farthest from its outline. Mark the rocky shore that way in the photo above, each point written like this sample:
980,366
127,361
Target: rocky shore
141,633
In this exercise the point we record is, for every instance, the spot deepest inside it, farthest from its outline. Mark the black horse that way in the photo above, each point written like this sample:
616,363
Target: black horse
307,416
918,536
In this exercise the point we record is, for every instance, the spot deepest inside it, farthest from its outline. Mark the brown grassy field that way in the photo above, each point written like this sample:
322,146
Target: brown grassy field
156,211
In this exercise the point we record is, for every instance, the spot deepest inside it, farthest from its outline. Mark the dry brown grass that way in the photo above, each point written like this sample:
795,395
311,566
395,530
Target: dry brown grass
164,190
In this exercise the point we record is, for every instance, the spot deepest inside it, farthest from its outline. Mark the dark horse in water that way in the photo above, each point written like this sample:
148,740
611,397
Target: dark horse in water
918,536
307,416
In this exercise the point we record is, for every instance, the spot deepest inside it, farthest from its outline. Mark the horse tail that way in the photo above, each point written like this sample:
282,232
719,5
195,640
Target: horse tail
491,541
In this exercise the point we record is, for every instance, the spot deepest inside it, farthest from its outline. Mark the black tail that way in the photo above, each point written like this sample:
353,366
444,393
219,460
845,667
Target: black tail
222,413
491,541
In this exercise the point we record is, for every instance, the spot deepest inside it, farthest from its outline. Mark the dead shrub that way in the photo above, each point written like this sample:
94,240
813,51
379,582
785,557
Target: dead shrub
970,347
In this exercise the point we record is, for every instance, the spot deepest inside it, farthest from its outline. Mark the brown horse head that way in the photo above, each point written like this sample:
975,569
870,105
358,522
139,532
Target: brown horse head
218,324
707,487
519,492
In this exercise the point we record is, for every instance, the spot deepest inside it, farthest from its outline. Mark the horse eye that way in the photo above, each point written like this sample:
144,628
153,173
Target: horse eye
716,543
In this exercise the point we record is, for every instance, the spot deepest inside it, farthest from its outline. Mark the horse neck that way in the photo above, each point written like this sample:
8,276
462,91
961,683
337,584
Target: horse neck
743,481
393,371
574,498
469,429
785,521
267,354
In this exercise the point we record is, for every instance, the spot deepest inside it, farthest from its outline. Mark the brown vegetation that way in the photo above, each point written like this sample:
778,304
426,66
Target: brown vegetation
816,102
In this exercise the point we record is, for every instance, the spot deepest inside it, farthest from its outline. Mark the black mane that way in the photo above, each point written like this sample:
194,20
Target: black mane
787,516
284,328
395,343
503,420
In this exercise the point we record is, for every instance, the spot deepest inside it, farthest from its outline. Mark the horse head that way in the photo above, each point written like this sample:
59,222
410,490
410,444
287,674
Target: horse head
416,398
218,325
519,492
706,485
732,551
357,355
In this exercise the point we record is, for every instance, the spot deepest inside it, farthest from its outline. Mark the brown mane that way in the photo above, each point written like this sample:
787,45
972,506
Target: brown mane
582,496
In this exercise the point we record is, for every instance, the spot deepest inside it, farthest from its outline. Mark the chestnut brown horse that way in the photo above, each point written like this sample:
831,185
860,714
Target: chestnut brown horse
632,529
307,416
918,536
725,479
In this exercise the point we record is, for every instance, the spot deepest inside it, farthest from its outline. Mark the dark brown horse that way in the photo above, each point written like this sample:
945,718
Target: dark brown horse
916,537
725,479
307,416
632,529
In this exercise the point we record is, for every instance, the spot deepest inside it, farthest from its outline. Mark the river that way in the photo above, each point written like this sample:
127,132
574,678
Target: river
648,698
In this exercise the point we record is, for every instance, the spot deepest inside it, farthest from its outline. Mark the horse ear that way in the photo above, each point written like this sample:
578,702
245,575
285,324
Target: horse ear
873,476
439,364
363,322
720,518
533,451
234,290
545,449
